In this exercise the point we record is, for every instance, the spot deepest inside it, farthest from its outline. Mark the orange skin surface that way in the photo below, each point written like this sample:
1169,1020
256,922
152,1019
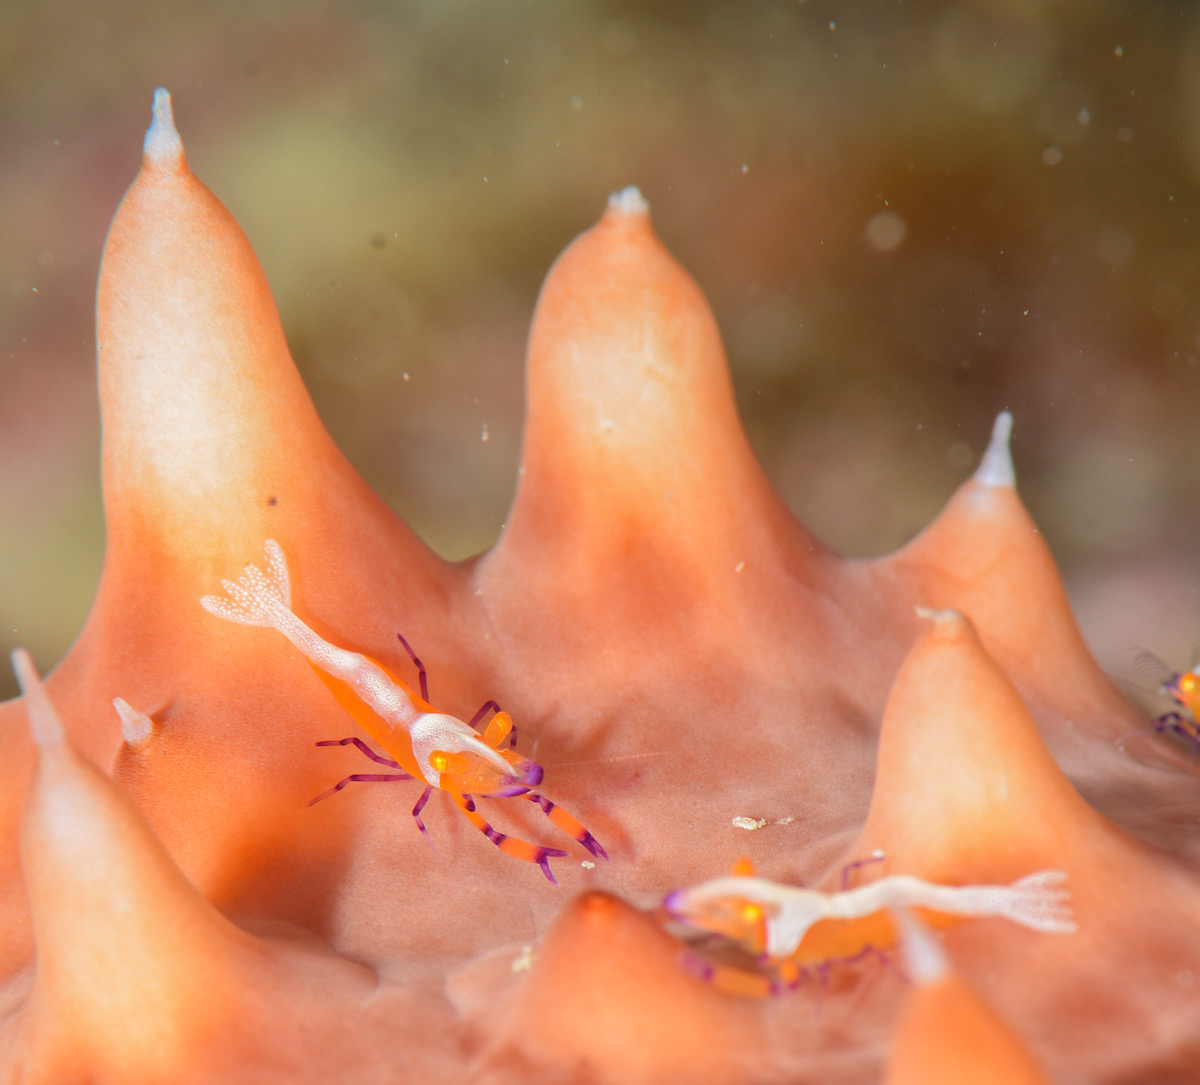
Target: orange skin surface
678,647
946,1035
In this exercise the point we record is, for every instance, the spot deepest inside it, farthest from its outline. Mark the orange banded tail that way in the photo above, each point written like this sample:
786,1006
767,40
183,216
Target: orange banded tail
569,824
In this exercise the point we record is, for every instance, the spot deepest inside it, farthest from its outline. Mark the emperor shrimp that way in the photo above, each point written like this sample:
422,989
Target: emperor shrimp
790,931
422,743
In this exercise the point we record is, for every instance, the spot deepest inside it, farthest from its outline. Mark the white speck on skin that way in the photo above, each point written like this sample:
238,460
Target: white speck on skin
749,824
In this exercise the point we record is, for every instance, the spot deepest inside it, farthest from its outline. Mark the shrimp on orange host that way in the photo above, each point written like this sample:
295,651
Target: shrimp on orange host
422,743
790,932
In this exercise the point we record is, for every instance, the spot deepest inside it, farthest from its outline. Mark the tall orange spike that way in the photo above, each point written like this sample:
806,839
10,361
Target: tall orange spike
210,440
138,977
112,914
607,990
210,445
964,785
640,499
985,556
966,793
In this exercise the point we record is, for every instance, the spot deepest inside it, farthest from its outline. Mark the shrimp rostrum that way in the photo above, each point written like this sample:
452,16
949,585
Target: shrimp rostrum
421,743
783,934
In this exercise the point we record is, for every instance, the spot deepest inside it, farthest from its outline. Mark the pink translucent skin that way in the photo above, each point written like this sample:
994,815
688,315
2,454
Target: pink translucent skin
681,650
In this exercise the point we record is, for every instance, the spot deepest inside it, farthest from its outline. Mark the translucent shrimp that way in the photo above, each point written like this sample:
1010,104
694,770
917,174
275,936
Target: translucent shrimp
421,742
791,933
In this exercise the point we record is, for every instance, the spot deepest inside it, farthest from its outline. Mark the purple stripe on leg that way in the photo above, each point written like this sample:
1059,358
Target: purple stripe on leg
420,805
543,860
418,664
362,748
360,777
594,846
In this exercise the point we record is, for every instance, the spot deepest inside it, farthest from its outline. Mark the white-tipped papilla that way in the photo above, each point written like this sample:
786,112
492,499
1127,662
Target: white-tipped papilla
136,727
44,723
996,467
629,201
162,141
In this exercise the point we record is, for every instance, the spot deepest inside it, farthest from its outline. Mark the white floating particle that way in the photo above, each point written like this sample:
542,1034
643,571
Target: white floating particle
749,824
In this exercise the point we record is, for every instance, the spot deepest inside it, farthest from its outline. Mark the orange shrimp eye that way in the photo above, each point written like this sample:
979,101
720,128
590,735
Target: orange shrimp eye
1187,683
438,761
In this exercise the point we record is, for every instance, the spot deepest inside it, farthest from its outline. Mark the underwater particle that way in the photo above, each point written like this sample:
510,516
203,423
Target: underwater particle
749,824
886,231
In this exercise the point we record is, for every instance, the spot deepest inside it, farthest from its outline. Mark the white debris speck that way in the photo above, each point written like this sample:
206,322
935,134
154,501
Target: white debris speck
524,962
484,435
786,821
749,824
739,567
587,864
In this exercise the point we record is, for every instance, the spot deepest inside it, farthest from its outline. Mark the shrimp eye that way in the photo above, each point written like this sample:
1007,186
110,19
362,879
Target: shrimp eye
750,912
438,761
1187,683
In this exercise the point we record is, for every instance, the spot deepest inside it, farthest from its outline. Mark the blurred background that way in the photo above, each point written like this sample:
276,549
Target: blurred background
907,215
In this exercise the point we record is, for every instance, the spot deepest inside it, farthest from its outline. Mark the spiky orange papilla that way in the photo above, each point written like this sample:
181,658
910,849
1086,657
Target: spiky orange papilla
675,640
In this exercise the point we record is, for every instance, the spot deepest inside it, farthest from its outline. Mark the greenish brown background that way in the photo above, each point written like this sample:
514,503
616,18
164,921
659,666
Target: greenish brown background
408,171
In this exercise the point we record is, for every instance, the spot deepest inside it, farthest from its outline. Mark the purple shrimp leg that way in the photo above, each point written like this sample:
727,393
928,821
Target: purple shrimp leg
419,665
875,857
1182,727
420,805
569,824
510,845
360,777
362,748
